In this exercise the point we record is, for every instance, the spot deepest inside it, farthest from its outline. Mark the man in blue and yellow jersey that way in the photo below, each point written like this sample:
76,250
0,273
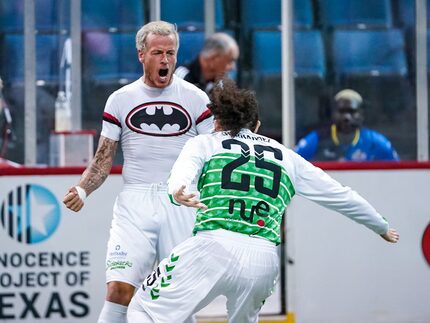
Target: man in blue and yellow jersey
346,139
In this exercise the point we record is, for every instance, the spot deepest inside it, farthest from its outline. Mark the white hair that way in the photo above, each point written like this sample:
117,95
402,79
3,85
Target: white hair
162,28
349,94
218,43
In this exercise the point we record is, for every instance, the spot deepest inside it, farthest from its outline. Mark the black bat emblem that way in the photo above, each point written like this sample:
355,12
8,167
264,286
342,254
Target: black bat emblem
138,119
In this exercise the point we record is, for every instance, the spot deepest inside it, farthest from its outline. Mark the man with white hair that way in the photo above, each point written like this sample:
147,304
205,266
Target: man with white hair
346,139
216,59
152,118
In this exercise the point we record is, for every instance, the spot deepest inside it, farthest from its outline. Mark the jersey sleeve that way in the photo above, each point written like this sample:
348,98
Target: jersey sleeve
188,165
307,146
111,127
204,120
316,185
385,150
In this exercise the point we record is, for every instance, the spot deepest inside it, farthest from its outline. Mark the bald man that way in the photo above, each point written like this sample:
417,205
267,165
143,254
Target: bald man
346,139
216,59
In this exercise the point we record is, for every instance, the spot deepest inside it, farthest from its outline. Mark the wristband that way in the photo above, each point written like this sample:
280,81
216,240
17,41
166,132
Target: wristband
81,192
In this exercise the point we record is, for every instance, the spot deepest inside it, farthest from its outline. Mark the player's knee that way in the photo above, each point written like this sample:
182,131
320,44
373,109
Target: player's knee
119,293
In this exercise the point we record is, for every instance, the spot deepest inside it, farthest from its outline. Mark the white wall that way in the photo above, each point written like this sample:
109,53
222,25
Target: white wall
343,272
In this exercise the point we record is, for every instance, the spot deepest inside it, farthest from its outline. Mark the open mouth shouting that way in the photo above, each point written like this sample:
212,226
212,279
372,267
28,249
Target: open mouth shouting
163,75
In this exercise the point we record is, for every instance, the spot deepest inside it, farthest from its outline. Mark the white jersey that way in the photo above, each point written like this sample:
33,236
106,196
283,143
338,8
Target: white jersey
153,125
248,181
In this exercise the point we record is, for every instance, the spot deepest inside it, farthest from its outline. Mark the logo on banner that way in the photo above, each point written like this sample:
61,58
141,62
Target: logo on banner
30,214
426,244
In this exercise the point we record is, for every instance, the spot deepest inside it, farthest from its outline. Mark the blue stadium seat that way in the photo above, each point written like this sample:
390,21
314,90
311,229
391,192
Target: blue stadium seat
264,42
266,14
11,16
189,15
130,68
110,57
95,15
310,72
373,62
303,14
49,15
131,14
261,14
113,15
190,43
100,56
406,12
309,57
309,54
369,52
356,13
47,57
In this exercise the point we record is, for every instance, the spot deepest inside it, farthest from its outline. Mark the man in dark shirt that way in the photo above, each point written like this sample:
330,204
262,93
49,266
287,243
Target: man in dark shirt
216,59
346,139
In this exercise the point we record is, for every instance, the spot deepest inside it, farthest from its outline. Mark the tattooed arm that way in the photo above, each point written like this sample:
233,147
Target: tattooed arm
94,176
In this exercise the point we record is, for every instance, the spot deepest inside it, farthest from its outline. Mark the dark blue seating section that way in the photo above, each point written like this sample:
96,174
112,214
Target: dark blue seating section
50,15
48,51
371,52
337,44
330,36
264,42
110,57
190,14
374,63
266,14
356,13
303,17
113,15
405,10
356,38
309,55
190,43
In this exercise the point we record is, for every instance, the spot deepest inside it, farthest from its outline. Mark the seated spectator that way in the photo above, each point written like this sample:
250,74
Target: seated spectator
217,58
345,139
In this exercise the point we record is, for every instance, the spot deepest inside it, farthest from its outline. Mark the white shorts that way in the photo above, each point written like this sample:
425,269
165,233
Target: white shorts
145,228
212,263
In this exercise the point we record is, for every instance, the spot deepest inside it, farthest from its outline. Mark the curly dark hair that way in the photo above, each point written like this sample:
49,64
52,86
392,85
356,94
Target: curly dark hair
232,107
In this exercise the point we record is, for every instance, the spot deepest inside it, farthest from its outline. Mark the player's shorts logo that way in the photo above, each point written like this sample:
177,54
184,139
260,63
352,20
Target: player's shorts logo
30,214
159,119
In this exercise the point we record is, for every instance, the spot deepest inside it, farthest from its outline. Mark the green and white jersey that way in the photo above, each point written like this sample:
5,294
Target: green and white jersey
248,181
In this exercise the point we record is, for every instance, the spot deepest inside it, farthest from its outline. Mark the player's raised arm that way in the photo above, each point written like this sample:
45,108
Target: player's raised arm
316,185
94,176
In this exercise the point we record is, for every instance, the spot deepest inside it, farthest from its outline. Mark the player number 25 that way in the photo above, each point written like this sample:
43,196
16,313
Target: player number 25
245,179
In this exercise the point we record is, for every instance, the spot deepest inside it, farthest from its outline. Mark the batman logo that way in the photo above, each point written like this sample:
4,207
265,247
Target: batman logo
159,119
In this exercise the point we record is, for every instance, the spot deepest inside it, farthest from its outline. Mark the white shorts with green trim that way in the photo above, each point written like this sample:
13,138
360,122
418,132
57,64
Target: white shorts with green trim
212,263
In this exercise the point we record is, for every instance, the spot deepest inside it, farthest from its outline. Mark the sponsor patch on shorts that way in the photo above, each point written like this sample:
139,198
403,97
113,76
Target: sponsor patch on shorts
118,264
117,259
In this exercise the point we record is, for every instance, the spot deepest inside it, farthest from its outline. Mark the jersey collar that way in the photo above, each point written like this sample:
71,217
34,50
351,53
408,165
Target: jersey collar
335,138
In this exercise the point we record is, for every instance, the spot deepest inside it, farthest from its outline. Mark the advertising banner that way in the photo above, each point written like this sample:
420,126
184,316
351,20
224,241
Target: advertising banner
52,260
